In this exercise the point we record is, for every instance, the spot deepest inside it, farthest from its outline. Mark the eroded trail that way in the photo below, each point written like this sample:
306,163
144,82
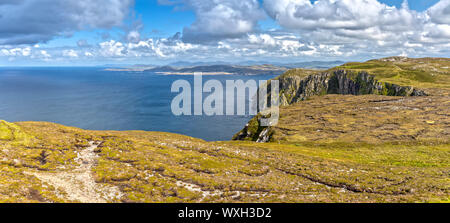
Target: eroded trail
79,184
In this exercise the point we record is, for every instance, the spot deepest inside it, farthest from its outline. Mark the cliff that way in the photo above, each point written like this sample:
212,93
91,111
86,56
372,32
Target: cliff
294,88
376,77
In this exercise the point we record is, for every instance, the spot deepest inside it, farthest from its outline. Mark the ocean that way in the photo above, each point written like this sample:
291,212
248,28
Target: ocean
95,99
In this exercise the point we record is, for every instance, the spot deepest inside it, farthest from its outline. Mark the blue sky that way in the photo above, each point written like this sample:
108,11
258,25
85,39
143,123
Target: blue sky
95,32
418,5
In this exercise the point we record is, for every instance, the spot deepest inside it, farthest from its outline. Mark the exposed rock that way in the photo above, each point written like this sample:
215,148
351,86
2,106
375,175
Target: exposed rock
253,131
295,88
264,136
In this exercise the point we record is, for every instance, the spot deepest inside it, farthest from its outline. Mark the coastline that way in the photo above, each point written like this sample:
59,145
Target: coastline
194,73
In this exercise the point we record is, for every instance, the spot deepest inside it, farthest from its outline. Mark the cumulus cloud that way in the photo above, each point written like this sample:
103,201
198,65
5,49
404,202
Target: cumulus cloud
134,36
341,14
33,21
221,19
16,52
228,30
112,49
339,27
440,13
363,26
282,45
24,53
161,48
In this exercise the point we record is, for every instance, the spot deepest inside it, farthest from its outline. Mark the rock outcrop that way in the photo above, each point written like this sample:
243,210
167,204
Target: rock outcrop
253,131
295,88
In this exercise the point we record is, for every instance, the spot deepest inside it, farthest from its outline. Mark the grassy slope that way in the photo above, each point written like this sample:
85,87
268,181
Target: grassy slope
155,167
425,73
368,149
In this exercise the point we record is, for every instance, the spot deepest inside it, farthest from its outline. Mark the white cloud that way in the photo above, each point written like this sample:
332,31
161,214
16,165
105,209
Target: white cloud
34,21
134,36
70,53
364,27
45,54
160,48
440,13
222,19
339,14
228,30
14,52
280,44
262,39
433,32
112,49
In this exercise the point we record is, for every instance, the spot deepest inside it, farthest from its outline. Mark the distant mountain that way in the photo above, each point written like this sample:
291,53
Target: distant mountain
130,68
307,64
313,64
182,64
221,69
127,65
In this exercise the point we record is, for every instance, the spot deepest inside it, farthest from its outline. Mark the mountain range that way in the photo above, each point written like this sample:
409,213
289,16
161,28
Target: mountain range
218,67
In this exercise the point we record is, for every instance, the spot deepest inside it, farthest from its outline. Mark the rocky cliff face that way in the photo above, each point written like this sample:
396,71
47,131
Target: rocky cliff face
297,88
253,131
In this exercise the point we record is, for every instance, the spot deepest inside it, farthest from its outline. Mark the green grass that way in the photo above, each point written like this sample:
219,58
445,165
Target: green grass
148,167
330,148
422,73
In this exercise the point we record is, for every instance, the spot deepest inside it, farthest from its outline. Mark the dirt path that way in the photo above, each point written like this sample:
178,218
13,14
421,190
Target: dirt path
79,184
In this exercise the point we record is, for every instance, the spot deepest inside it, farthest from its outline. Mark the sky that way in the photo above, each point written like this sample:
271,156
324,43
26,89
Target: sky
99,32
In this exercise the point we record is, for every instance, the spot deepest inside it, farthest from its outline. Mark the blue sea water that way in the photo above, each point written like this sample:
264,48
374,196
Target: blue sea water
95,99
